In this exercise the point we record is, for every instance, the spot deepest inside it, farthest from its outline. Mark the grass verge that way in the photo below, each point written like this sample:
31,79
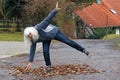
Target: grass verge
7,36
111,36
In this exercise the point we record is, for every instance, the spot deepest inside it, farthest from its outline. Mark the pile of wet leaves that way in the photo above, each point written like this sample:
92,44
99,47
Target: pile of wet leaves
56,70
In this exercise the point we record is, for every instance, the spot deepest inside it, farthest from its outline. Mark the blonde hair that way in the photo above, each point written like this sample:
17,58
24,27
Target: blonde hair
35,35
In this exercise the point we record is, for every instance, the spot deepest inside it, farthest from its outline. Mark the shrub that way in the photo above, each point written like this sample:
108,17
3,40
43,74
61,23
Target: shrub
99,33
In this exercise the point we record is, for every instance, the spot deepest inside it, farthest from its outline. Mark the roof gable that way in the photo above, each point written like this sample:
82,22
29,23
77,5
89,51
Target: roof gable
106,14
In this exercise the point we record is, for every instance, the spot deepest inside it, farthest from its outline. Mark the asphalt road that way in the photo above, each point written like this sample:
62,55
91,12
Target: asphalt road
104,55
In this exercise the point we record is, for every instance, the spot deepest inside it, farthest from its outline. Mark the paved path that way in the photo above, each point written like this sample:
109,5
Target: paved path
104,56
9,48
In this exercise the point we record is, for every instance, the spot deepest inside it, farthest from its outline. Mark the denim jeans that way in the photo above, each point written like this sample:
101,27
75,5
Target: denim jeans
62,38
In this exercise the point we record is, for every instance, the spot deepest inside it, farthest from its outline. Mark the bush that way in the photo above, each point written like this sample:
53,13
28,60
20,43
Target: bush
4,30
99,33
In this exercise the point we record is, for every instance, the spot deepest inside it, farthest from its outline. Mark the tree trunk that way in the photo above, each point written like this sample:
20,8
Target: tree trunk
2,11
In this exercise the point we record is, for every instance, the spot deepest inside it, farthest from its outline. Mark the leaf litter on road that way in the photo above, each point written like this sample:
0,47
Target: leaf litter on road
56,70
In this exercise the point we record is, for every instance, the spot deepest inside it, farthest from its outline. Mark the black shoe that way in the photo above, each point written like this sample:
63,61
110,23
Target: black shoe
86,52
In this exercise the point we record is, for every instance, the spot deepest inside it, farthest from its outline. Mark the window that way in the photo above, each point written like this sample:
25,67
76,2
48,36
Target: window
113,11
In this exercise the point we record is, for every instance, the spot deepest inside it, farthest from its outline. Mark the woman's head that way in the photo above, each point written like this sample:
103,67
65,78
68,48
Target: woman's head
30,34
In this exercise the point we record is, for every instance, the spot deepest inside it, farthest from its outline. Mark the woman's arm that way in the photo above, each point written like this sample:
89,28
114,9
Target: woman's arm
50,16
31,56
43,24
32,52
52,13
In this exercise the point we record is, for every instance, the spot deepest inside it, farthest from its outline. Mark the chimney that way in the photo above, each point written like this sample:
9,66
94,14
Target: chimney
98,1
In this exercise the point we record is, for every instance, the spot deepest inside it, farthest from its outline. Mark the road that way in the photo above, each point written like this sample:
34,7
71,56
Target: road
104,55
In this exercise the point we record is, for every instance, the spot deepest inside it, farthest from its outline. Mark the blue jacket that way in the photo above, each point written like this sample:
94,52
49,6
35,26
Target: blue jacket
46,32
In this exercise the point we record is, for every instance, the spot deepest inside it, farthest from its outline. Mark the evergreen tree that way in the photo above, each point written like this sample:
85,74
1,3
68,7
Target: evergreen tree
12,8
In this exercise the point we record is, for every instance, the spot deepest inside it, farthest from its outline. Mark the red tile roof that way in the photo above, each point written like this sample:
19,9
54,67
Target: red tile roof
99,15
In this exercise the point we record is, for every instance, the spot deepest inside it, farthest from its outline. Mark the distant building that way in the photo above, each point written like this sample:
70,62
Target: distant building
103,14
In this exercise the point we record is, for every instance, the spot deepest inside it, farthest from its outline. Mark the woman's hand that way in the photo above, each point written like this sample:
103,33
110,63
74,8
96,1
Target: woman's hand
28,66
57,8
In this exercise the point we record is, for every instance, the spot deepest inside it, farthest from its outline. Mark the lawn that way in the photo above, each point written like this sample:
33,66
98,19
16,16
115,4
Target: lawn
111,36
18,36
7,36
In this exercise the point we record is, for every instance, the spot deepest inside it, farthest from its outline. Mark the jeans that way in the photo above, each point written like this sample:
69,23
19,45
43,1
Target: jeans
62,38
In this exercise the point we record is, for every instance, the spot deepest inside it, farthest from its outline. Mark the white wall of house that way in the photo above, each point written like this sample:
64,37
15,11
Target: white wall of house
117,30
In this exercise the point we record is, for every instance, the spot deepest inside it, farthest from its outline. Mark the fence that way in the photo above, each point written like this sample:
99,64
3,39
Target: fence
7,25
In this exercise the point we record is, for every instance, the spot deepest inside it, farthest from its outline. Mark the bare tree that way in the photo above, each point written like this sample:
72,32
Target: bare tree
36,10
1,10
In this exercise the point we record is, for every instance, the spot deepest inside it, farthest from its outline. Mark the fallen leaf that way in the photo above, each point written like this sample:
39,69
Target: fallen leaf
57,70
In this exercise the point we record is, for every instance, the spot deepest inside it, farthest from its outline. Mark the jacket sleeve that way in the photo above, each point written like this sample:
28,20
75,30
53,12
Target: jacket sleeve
43,24
51,15
32,52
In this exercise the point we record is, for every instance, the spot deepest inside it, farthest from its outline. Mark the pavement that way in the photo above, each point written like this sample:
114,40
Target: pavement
11,48
104,55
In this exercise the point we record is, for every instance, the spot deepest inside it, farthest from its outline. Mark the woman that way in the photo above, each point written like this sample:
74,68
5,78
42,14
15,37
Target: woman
45,32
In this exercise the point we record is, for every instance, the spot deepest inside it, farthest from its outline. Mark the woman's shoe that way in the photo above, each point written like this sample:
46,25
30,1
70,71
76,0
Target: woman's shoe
86,52
48,69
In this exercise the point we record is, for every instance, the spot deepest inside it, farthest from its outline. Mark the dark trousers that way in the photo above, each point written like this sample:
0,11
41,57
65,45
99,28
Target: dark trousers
62,38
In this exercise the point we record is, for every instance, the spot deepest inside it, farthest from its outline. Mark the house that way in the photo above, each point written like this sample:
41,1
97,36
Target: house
102,14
